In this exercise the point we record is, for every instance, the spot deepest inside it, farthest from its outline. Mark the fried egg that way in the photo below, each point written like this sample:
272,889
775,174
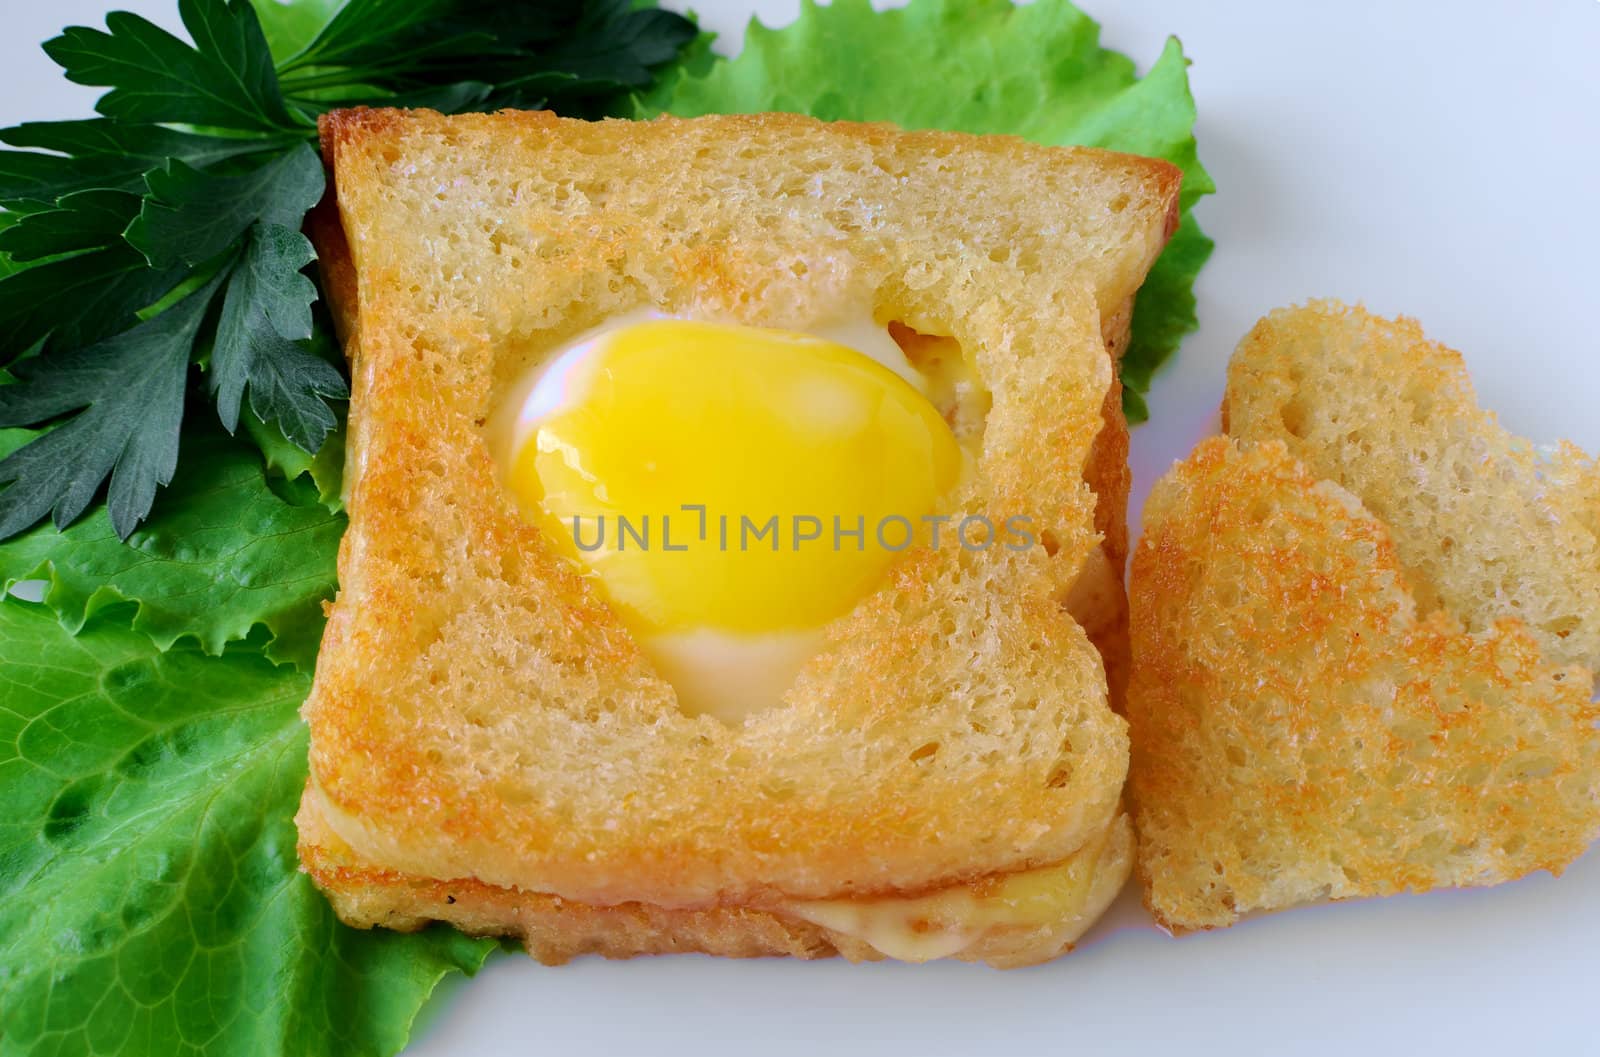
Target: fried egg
731,488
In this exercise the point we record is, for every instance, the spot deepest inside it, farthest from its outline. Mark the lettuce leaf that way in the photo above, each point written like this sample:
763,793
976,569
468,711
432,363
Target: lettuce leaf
285,458
985,66
150,898
151,756
224,551
289,25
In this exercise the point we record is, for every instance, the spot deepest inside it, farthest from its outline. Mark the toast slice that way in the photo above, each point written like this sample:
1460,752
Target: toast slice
1487,525
1006,920
1326,702
489,746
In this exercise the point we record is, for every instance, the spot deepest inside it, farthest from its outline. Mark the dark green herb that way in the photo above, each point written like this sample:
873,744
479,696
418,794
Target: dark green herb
163,238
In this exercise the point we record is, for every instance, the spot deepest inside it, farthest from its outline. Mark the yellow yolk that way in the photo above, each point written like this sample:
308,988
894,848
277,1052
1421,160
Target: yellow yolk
728,481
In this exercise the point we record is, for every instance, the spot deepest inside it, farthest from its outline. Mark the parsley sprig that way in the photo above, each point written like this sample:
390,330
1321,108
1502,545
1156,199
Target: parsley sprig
160,243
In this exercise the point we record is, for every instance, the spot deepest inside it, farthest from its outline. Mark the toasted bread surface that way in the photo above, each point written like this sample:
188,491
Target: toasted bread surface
1326,702
556,930
479,712
1488,525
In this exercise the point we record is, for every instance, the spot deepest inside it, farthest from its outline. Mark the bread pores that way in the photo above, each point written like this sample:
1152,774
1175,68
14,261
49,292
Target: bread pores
1333,702
479,713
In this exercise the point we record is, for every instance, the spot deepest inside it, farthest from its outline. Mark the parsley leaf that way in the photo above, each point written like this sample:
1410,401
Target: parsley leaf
266,314
107,154
83,220
196,179
7,265
78,299
366,31
192,215
224,80
75,297
573,56
152,752
129,389
43,178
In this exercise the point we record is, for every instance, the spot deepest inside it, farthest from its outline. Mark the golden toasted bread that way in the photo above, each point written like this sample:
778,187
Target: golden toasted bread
1006,920
482,721
1321,706
1486,524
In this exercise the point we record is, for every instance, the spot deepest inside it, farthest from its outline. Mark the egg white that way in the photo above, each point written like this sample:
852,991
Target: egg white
560,380
714,672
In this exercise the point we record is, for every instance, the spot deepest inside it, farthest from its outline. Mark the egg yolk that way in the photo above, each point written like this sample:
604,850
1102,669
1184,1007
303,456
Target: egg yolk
733,478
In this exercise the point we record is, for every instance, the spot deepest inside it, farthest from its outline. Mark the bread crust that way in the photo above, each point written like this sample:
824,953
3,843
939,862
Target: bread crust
479,712
1099,600
556,930
1374,405
1312,716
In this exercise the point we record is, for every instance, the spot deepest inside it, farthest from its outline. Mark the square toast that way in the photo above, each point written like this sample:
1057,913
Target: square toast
488,745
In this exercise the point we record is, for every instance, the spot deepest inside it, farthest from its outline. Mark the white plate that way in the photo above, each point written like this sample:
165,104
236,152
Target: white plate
1436,160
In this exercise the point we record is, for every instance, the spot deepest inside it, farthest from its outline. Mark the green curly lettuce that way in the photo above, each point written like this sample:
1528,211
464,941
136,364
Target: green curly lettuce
985,66
226,550
150,900
151,755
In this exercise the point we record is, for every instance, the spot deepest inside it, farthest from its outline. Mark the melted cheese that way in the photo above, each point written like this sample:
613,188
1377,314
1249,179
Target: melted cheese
1071,893
1060,900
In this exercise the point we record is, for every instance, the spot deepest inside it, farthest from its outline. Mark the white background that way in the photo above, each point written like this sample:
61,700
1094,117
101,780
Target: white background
1439,160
